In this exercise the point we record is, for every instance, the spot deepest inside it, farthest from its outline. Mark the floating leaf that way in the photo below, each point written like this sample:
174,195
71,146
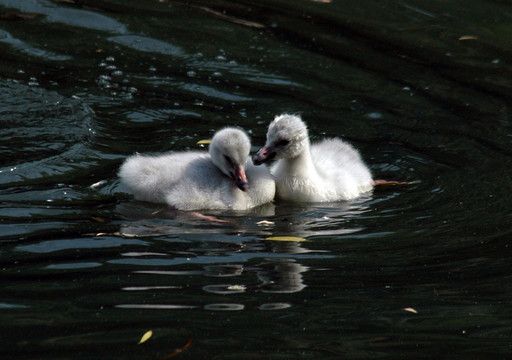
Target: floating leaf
203,142
411,310
177,351
231,18
394,183
286,238
146,336
468,37
98,219
15,16
98,184
265,222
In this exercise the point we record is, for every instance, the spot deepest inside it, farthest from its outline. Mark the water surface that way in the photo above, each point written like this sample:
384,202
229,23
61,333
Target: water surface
423,90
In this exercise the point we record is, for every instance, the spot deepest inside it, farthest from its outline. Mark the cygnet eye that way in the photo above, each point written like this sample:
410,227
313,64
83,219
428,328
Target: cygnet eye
282,143
228,160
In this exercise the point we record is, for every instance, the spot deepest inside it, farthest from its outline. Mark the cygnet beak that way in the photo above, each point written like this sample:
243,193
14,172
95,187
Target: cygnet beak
241,179
263,155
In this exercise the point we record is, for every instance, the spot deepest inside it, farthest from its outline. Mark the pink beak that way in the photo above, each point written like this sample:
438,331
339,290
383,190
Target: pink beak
241,179
263,155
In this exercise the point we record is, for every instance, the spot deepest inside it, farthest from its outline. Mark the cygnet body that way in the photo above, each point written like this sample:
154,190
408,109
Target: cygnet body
193,180
330,170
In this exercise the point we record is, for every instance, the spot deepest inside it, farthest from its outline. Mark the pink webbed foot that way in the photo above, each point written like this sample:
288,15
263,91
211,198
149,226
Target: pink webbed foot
392,183
209,218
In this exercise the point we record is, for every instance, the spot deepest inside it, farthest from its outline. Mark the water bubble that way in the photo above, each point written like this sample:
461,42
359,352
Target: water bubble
374,115
33,81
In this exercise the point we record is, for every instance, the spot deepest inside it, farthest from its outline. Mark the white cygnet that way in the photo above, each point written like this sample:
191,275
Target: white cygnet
329,170
194,180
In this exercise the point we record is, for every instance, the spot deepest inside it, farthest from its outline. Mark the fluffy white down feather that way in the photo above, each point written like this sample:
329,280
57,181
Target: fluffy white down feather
195,180
326,171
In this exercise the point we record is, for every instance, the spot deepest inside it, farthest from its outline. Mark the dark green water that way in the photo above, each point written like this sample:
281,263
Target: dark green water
423,89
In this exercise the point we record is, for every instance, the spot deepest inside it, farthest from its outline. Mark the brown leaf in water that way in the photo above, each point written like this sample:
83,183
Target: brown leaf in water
232,18
223,16
468,37
178,351
16,16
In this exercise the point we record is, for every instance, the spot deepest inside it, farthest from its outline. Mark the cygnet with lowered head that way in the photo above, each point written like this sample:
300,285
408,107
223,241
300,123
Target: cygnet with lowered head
193,180
329,170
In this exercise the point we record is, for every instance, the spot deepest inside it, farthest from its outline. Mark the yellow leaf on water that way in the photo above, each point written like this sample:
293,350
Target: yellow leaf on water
203,142
468,37
146,336
286,238
411,310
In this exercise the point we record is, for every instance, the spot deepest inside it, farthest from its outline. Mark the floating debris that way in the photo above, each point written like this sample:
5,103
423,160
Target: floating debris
265,222
468,37
98,184
146,336
286,238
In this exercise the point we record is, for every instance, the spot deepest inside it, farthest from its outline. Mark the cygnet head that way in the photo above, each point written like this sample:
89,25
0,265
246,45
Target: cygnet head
287,136
229,150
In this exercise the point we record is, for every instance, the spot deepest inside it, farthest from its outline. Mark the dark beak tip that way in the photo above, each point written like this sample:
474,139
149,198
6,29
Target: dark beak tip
243,186
256,159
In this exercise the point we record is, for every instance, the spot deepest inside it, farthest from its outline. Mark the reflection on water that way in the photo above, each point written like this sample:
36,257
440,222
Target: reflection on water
422,89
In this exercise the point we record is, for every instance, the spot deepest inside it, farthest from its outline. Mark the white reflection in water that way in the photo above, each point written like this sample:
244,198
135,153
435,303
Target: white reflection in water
282,276
29,49
146,288
274,306
155,306
225,289
146,44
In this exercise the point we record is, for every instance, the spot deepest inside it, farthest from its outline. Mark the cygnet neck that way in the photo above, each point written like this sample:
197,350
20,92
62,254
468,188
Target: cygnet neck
302,164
